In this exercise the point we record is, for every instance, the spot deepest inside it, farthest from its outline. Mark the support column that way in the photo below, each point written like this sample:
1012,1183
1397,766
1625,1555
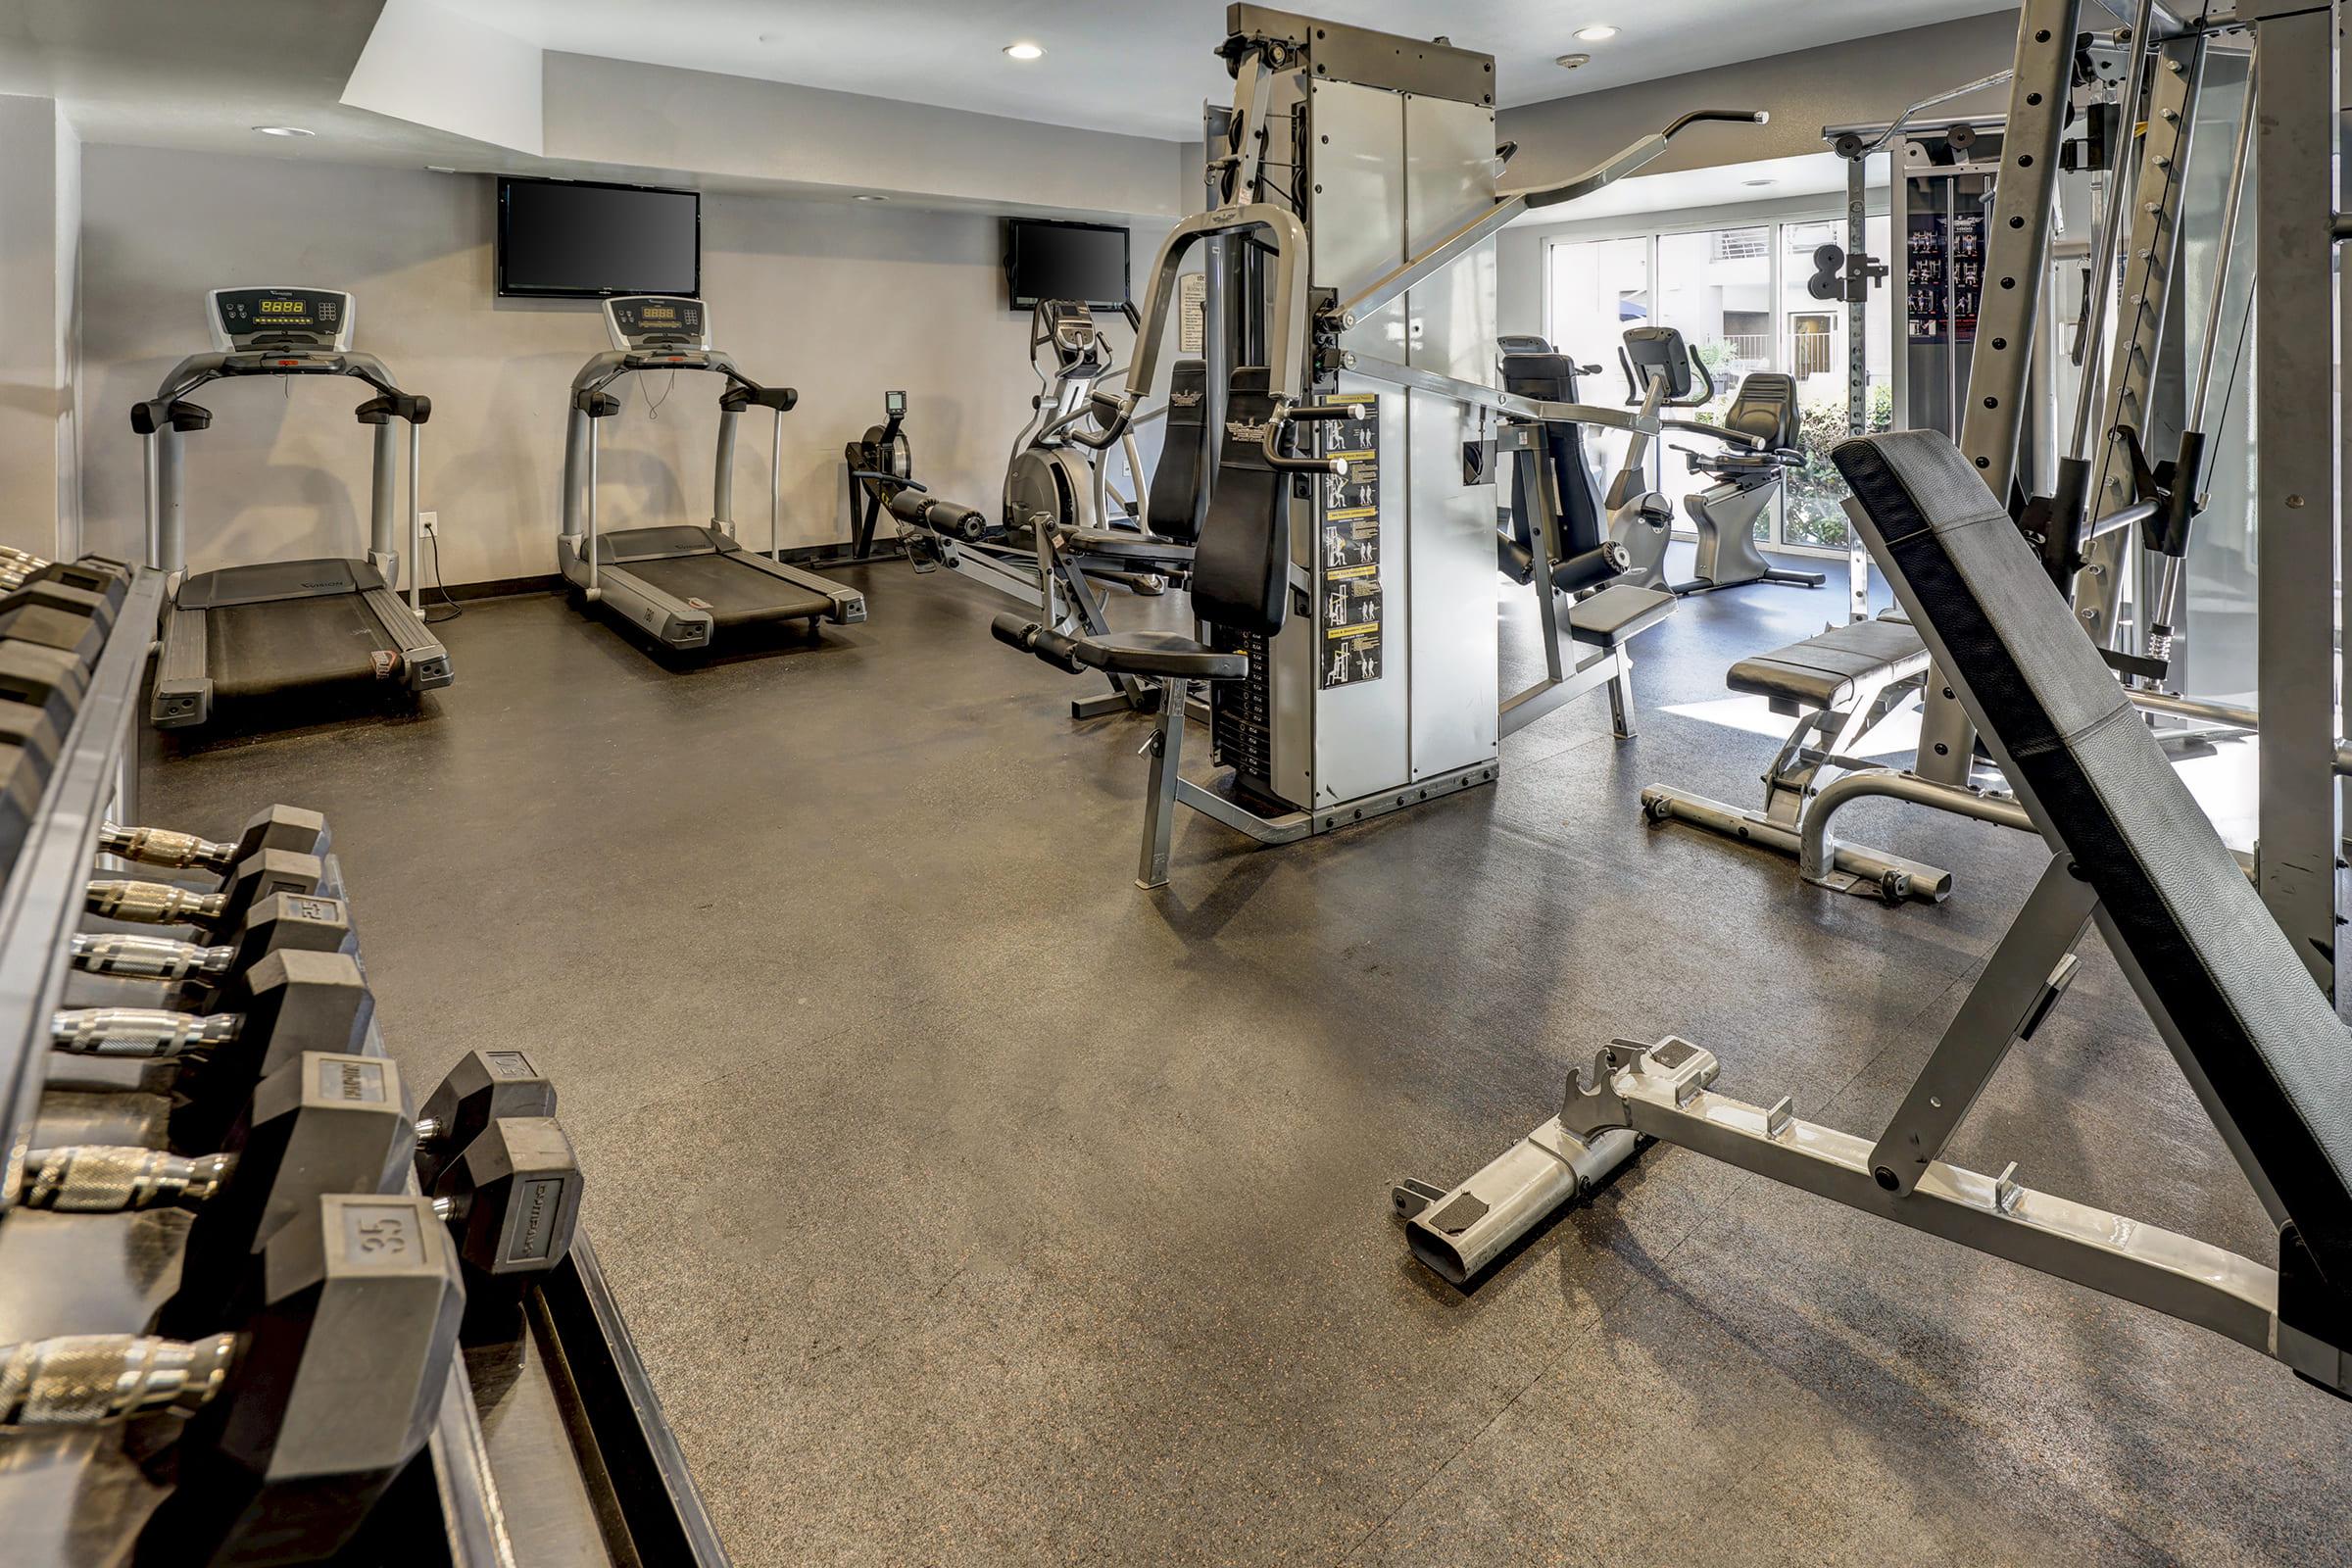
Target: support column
2297,504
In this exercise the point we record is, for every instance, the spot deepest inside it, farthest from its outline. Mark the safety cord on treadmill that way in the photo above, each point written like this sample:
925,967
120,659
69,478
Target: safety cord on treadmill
440,587
653,403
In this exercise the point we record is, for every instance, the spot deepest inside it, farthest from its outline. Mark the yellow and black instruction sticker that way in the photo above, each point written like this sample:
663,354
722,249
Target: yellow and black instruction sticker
1349,615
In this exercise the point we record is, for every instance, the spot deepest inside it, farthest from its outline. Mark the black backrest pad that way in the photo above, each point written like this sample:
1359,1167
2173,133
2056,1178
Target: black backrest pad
2276,1058
1551,379
1766,407
1242,564
1171,508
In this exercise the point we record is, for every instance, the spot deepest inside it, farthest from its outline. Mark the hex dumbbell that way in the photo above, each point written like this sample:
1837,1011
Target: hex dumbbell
324,1122
261,875
282,922
289,1002
484,1086
301,1416
279,827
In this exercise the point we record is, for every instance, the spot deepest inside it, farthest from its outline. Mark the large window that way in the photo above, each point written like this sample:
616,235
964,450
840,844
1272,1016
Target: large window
1738,295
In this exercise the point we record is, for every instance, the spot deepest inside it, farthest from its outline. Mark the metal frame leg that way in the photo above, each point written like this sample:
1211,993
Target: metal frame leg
1620,693
1165,748
2028,972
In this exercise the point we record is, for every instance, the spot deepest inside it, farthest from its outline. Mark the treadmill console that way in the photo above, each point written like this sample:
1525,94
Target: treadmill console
657,322
281,318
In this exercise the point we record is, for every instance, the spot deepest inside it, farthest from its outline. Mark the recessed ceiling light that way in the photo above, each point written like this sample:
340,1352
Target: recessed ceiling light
1600,33
1571,62
869,198
1759,182
1025,51
285,130
440,169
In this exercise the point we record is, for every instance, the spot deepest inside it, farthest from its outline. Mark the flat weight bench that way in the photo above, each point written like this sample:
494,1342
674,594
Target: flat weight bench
1840,685
1239,584
2258,1041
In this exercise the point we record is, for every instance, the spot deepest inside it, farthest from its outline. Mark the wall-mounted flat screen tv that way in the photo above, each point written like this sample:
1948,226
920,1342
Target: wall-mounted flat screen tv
1050,261
573,239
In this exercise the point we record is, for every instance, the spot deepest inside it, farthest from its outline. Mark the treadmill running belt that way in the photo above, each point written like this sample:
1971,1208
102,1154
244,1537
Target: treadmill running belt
738,595
281,646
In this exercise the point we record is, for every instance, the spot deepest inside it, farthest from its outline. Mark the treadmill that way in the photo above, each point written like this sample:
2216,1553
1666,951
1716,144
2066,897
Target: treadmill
283,632
682,584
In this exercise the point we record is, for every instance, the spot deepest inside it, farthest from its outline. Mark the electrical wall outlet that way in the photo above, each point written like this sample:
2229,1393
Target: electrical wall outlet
432,522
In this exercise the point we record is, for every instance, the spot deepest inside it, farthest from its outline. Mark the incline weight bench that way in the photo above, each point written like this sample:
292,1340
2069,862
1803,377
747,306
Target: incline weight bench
2257,1040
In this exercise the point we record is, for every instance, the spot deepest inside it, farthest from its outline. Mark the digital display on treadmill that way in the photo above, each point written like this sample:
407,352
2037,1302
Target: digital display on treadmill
658,320
310,315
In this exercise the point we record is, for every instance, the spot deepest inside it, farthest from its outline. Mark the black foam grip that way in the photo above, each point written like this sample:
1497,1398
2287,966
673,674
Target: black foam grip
1589,567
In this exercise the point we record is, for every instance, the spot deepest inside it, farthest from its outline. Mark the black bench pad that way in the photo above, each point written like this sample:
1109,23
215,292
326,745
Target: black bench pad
1130,548
1823,671
2275,1058
1617,613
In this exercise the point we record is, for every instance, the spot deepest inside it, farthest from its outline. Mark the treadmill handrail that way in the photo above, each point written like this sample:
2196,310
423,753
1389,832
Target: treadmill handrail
609,367
197,369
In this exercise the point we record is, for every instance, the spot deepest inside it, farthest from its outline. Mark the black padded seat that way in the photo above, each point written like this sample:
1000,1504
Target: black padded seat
1823,671
1766,408
1617,613
1159,653
2276,1062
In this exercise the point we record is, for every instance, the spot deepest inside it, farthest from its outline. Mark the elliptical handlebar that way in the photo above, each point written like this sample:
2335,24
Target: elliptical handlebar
1112,411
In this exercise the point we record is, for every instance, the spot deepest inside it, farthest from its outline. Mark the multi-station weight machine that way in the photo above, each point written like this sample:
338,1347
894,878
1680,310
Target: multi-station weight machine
1350,264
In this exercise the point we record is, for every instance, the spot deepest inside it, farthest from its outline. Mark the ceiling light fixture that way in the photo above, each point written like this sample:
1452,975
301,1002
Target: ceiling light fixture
1599,32
1759,182
440,169
1571,62
285,130
1025,51
869,198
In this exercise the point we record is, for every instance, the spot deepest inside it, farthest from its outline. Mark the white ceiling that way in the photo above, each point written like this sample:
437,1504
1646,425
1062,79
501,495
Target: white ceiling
1143,67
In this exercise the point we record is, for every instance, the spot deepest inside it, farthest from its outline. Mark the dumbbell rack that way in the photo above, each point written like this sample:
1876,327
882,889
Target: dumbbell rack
565,1414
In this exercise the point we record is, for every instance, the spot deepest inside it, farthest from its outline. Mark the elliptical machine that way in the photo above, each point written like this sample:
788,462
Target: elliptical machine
1049,479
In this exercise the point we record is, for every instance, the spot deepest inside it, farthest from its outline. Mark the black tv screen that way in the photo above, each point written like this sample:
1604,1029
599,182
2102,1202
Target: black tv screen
579,240
1081,262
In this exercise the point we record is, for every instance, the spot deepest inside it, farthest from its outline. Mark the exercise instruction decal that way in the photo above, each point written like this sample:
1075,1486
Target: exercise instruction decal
1349,615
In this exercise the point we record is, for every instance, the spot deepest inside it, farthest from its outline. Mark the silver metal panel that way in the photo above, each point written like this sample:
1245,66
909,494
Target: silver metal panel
1449,544
1357,222
2296,503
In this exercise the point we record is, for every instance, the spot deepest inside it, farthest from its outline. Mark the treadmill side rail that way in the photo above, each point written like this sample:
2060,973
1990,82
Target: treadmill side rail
423,662
183,682
849,603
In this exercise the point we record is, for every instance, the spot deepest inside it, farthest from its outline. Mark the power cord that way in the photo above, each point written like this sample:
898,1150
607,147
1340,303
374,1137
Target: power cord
440,587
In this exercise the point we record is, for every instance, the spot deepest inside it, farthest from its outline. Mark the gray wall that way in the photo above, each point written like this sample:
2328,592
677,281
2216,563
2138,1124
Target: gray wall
39,194
840,300
1863,79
